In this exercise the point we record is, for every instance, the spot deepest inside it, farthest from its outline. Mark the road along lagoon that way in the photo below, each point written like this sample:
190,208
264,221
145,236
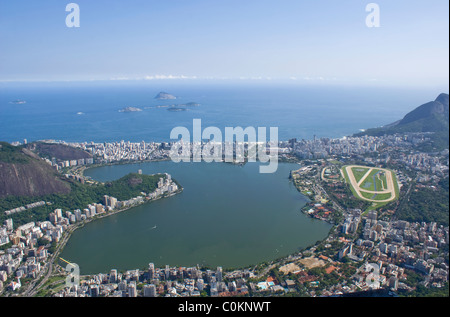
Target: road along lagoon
227,215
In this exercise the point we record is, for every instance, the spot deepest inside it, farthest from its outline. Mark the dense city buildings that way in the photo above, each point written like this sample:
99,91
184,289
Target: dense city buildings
367,249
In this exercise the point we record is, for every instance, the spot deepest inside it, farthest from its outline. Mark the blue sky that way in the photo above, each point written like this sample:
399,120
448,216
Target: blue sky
306,41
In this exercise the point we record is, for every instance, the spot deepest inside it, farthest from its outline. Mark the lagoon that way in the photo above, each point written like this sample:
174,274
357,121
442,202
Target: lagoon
227,215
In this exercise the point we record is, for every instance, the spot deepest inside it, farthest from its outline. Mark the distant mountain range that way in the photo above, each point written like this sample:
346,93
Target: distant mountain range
429,117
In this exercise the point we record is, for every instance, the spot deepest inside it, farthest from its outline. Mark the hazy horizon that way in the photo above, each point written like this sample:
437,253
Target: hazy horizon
285,41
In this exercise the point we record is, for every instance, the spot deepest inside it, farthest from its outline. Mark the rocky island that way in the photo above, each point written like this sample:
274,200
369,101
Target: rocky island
18,102
192,104
165,96
130,109
176,109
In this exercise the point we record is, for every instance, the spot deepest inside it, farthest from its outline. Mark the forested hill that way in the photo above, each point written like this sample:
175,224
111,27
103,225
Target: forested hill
432,116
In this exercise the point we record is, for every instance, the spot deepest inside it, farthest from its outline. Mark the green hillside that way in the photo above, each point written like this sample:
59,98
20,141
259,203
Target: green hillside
429,117
79,197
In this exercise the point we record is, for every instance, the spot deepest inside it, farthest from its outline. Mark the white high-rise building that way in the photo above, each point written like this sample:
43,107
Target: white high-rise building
94,290
53,217
113,276
113,202
132,289
200,284
122,285
151,271
77,214
219,274
9,224
92,210
167,272
150,290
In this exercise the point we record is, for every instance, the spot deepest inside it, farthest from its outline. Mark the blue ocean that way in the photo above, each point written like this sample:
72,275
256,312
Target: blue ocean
90,111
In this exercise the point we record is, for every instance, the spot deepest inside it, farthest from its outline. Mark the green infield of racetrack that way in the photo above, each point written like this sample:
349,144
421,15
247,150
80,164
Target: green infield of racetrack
359,172
375,205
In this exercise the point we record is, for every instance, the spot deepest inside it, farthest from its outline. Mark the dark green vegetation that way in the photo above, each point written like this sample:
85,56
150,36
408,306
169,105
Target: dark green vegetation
342,193
426,204
415,280
359,172
422,291
430,117
12,154
129,186
79,197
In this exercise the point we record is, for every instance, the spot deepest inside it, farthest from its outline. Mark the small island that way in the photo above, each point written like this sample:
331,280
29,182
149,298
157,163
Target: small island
176,109
192,104
181,107
165,96
130,109
18,102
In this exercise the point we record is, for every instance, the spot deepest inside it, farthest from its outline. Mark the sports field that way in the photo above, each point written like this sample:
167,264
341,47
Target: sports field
372,184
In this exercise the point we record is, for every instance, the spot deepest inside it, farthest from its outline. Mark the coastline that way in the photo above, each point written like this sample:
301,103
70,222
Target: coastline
59,247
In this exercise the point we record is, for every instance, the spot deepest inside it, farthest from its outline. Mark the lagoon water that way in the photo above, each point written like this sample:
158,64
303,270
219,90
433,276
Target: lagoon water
227,215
